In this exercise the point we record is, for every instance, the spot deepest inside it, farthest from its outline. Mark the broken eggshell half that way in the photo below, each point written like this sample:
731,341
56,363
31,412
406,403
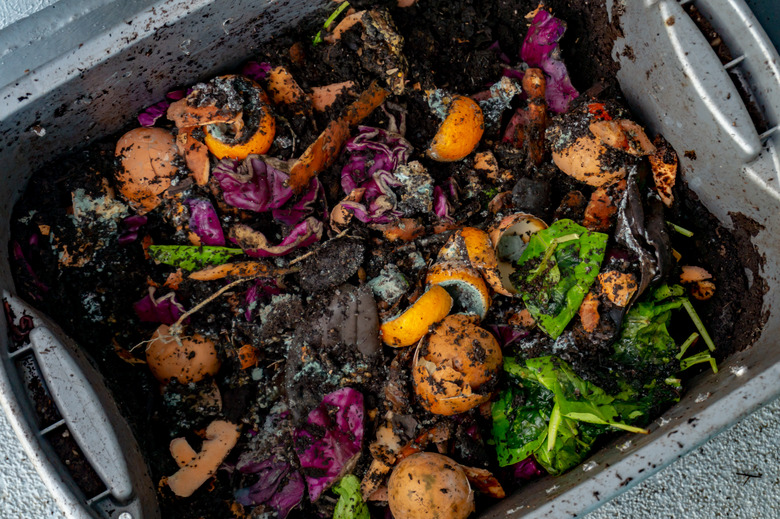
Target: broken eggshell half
510,238
188,359
452,364
146,166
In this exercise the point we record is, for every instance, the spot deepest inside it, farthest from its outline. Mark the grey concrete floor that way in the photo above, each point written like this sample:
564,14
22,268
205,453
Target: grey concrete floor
735,475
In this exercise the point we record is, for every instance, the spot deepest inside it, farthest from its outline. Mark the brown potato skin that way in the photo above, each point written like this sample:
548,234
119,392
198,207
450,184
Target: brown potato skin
429,486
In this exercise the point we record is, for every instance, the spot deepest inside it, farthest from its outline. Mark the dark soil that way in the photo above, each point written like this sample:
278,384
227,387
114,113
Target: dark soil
310,339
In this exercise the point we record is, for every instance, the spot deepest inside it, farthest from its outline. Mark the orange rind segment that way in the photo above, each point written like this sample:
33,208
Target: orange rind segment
460,132
413,324
474,245
465,284
259,142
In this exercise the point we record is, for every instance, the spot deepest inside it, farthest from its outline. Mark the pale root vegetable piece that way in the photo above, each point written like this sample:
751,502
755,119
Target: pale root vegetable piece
619,287
375,478
283,88
195,154
182,452
241,269
464,283
460,132
664,165
603,206
692,274
188,359
221,437
324,96
522,318
340,216
429,486
452,363
589,312
413,324
485,164
146,157
583,161
703,290
405,229
484,481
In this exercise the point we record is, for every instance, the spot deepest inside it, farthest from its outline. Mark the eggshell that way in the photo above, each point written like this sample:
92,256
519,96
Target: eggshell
188,359
427,485
145,166
458,357
583,160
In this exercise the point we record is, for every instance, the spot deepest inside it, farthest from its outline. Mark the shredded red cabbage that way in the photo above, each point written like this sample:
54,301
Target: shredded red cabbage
205,223
527,469
252,184
165,310
373,156
506,334
256,71
150,114
327,457
19,257
540,49
269,488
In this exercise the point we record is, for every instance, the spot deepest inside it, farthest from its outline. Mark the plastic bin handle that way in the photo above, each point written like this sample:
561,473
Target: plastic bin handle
82,410
707,76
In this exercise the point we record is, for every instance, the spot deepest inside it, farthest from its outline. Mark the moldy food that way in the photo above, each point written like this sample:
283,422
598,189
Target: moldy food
399,262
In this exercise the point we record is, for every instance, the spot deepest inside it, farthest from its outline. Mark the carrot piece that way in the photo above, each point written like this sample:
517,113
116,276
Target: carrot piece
603,207
326,148
589,312
535,85
283,87
241,269
324,96
247,354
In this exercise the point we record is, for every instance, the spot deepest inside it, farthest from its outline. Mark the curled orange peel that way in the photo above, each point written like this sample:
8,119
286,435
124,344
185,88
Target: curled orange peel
460,131
411,325
464,283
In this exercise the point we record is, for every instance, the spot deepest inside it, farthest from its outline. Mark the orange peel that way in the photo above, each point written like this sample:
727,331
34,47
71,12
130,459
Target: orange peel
475,246
412,325
464,283
258,143
461,130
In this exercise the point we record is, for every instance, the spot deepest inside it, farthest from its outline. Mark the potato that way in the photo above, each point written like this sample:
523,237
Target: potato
188,359
428,485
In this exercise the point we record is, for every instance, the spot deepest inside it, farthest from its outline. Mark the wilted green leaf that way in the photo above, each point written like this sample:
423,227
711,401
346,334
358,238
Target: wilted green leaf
350,504
190,257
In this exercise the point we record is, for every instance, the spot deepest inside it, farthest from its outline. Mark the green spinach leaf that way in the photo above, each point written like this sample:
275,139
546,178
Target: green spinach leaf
556,271
350,504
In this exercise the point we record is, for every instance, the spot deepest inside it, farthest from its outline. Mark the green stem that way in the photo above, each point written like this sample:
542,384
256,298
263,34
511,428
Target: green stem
549,252
682,230
329,21
686,345
552,430
699,358
699,325
630,428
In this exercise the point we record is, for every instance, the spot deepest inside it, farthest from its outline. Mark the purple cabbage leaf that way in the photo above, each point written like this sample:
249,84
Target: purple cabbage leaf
277,486
329,445
166,309
204,222
540,49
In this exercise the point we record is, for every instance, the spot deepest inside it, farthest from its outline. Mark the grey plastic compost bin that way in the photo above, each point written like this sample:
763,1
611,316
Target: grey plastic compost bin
84,69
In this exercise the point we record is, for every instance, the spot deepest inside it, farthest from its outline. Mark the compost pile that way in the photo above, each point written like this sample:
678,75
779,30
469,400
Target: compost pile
396,263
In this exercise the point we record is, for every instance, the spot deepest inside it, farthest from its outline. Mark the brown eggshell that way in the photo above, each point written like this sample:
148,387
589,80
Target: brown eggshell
459,357
146,166
583,160
188,359
427,486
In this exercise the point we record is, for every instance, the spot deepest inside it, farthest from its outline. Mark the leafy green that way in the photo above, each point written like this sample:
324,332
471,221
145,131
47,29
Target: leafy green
645,343
553,414
556,271
350,504
190,257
